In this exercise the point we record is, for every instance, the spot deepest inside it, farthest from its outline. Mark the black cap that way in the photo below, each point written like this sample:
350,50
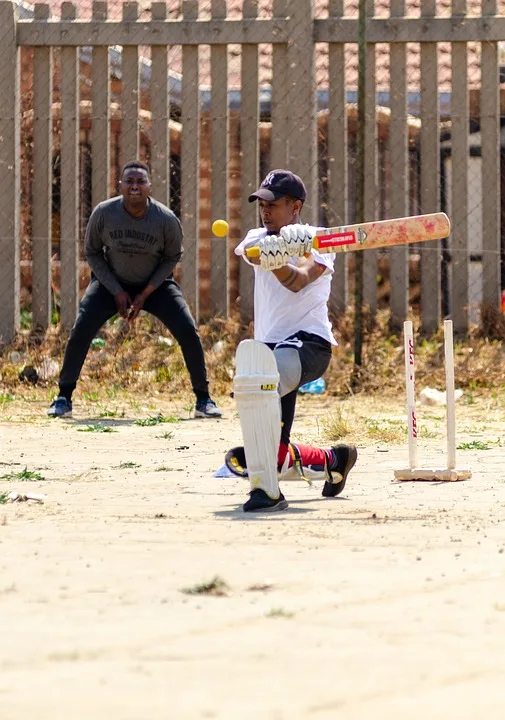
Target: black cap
277,184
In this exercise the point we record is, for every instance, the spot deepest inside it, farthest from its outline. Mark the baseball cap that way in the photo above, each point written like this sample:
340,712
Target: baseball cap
277,184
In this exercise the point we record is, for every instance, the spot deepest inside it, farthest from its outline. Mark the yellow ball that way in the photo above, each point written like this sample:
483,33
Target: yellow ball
220,228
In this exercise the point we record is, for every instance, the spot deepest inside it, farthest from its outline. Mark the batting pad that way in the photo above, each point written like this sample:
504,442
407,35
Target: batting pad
255,388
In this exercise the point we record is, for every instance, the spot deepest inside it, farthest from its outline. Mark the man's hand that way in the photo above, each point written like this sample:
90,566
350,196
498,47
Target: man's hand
123,303
298,239
136,306
139,301
273,252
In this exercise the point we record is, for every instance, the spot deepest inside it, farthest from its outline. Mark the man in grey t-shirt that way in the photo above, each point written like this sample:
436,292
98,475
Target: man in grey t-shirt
132,246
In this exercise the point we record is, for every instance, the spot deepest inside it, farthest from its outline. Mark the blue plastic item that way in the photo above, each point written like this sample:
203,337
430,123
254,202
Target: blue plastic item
316,387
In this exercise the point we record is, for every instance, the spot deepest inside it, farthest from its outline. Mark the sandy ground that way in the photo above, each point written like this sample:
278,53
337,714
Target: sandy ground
386,602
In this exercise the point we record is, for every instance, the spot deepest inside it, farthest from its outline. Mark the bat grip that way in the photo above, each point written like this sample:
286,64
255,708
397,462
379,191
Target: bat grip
254,252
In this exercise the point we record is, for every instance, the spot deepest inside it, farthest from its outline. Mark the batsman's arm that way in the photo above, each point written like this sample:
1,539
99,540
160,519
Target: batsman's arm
296,277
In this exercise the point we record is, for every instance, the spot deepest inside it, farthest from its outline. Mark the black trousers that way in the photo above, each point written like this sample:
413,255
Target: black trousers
166,303
315,356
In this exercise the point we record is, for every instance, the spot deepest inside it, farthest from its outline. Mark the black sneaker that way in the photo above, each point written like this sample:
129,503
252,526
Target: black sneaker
344,459
260,502
59,407
207,408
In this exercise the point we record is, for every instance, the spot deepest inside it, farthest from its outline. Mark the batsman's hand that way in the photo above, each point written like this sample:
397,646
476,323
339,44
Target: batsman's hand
273,252
298,239
123,303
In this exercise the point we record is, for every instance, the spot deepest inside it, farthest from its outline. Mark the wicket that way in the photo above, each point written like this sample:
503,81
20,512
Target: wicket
414,472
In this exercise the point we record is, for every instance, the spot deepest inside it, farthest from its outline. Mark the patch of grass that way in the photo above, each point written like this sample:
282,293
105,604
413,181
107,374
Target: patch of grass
164,374
166,436
127,464
23,475
278,612
386,430
4,498
156,420
6,398
216,587
107,413
91,396
336,426
97,427
474,445
165,468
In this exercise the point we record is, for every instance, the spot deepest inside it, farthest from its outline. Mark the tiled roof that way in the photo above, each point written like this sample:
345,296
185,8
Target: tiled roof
321,11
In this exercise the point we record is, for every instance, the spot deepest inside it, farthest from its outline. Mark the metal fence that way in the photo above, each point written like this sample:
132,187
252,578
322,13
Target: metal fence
214,94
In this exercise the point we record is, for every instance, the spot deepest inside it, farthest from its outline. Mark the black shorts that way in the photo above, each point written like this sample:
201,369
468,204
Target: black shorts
313,350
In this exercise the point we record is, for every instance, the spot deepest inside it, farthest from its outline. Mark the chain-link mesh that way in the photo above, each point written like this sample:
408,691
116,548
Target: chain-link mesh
433,120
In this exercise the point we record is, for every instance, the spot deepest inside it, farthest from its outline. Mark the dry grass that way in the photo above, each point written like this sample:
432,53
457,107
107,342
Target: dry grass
136,361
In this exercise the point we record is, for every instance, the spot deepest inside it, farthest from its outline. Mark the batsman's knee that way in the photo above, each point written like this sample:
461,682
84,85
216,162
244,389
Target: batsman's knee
290,369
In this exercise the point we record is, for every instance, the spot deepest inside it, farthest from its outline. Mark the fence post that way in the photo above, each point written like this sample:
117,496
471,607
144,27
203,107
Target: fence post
249,123
398,146
430,177
302,117
69,183
43,69
490,134
9,174
370,159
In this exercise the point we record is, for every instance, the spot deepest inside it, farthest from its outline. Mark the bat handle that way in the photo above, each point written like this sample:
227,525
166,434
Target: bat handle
254,252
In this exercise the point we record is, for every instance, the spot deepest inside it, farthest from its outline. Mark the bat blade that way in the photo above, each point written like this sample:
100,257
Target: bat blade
382,233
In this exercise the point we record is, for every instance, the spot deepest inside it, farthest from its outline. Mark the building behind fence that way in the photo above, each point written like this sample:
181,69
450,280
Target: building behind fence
213,95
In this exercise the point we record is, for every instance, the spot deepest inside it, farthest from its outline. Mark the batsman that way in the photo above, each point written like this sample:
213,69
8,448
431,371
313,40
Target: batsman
292,345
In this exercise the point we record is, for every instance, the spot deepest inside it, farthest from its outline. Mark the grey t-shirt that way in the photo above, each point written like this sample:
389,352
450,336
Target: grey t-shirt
136,251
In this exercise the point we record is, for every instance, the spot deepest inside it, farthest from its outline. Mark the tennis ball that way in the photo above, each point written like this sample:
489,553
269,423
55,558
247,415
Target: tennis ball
220,228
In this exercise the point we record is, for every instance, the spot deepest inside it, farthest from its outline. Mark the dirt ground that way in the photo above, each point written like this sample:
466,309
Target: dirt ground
386,602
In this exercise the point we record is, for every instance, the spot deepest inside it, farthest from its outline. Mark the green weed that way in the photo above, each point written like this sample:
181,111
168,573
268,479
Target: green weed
156,420
97,427
279,613
23,475
216,587
474,445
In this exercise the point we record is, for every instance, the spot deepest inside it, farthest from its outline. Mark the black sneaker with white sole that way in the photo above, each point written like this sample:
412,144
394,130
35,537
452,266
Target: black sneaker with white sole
344,459
207,409
260,502
59,407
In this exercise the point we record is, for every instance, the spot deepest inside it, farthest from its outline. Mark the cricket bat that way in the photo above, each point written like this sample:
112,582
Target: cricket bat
382,233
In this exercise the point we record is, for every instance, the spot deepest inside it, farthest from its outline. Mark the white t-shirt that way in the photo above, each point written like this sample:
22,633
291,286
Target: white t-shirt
279,312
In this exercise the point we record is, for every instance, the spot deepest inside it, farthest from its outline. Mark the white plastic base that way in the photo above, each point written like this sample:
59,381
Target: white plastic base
445,474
